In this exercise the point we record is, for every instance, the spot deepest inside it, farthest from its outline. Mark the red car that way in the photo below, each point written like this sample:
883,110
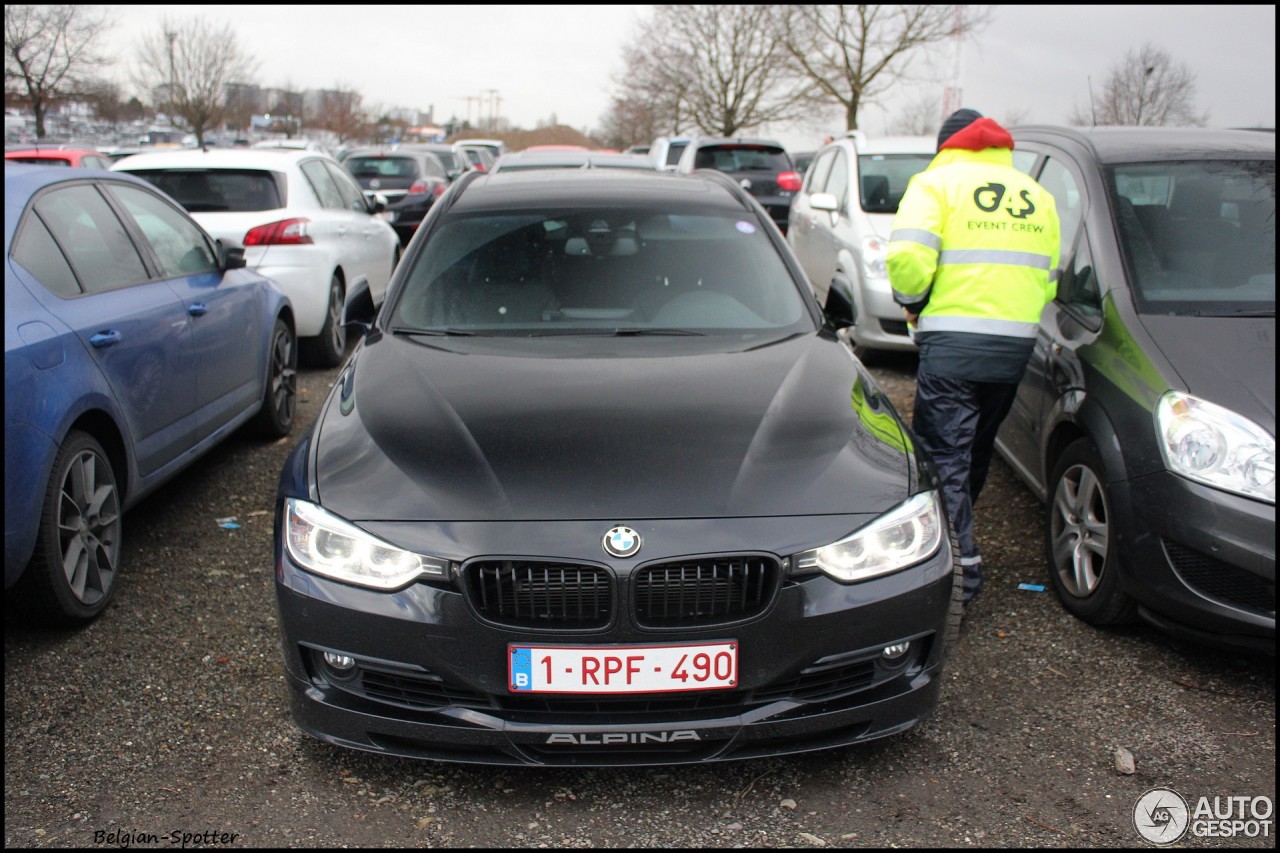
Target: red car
85,158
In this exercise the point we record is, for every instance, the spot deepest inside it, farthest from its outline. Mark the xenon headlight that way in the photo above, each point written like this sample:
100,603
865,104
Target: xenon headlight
900,538
1215,446
327,545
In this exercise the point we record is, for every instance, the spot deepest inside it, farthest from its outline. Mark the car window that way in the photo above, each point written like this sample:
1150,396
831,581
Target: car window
817,176
1024,161
382,167
1062,185
322,183
838,181
95,241
352,195
883,178
433,167
1198,236
39,161
96,162
1078,288
579,270
180,246
674,150
218,190
36,250
742,158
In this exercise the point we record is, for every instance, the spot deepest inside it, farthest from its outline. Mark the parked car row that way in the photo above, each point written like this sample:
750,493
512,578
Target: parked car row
776,573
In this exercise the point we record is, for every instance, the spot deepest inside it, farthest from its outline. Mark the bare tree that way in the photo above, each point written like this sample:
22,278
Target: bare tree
341,114
720,68
189,66
920,117
852,55
1146,88
47,49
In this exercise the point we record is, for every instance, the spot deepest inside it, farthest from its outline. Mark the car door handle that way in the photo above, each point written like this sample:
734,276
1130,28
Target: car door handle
198,309
105,339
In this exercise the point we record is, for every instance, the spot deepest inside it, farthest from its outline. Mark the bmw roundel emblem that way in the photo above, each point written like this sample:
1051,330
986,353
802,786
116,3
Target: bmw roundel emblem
622,542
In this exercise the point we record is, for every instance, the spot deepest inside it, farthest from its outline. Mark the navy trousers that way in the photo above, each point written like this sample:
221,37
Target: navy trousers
956,421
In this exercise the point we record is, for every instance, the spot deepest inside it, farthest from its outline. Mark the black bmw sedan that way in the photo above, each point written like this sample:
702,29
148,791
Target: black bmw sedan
599,486
1146,420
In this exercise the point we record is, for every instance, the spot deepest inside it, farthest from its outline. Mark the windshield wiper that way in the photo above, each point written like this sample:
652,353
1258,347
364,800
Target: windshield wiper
449,331
635,332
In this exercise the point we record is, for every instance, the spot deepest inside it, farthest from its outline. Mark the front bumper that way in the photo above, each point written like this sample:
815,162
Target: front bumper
881,324
1200,562
430,678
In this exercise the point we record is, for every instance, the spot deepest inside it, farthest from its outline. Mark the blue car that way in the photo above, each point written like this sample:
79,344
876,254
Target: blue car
133,343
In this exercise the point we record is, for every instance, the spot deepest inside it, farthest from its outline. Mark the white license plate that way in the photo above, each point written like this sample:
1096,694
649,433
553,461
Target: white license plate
622,669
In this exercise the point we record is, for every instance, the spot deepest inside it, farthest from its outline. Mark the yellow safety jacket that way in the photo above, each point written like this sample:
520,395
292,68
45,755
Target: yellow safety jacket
978,240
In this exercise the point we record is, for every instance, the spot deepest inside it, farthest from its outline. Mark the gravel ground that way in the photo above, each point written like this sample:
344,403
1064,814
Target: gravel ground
166,722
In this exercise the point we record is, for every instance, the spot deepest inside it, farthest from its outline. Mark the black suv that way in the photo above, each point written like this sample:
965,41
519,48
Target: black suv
1146,418
760,166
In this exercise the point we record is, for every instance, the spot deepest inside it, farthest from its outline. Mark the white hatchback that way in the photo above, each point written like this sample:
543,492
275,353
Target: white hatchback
839,226
303,221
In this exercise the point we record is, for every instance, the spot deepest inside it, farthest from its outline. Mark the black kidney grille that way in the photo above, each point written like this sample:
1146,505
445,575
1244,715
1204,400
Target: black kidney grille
541,595
702,592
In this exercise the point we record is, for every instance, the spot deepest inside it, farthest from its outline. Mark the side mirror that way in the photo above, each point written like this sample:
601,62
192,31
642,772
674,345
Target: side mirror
359,309
375,202
827,202
232,257
840,310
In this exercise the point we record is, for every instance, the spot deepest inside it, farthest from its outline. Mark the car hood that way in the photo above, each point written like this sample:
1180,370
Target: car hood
612,429
1230,361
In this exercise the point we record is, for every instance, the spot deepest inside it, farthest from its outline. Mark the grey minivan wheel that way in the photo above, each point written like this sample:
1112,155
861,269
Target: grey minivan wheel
1082,556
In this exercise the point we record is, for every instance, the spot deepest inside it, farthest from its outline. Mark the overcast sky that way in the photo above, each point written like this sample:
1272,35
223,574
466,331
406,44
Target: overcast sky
1032,62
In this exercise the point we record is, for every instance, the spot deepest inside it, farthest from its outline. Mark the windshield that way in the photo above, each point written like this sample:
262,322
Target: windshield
885,177
599,271
1199,237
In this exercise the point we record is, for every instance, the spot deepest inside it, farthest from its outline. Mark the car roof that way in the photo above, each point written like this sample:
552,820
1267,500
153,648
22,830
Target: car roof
707,141
1140,144
543,188
52,152
573,159
897,145
219,158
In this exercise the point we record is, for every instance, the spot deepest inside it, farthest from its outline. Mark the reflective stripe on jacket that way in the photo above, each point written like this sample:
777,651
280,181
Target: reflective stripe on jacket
978,240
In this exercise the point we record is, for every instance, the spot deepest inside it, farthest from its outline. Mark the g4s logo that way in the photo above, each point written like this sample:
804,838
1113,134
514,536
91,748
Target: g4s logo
988,198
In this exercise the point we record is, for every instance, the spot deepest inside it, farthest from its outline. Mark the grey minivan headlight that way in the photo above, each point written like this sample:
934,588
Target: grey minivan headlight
1212,445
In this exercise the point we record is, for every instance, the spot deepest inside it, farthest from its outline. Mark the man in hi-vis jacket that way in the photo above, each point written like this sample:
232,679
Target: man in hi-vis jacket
973,260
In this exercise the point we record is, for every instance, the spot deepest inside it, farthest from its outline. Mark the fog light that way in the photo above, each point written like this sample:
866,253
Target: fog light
895,651
340,663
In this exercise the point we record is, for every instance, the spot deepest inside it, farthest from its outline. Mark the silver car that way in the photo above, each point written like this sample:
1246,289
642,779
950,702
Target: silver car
839,230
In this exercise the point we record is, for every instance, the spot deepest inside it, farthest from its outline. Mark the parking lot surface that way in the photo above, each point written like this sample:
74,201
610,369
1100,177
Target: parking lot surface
166,722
